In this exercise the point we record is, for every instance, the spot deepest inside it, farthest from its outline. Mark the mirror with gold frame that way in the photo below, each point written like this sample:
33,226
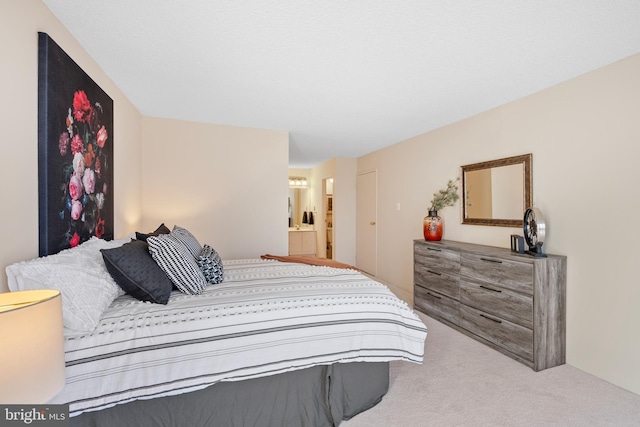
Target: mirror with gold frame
497,192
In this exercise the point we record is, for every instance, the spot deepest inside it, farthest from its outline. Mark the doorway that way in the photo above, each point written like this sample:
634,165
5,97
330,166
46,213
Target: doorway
328,206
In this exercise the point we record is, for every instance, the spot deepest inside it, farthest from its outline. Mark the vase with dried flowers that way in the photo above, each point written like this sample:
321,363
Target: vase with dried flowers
432,225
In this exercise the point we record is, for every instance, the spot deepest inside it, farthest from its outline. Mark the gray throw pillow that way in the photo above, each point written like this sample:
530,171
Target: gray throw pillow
135,271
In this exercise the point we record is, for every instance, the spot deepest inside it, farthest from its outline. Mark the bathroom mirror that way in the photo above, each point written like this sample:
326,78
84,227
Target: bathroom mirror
298,203
497,192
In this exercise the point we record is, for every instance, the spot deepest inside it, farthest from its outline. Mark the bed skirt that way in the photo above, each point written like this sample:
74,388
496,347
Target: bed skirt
319,396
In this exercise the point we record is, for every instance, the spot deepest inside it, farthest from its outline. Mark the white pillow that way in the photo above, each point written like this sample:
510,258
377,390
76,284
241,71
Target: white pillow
79,274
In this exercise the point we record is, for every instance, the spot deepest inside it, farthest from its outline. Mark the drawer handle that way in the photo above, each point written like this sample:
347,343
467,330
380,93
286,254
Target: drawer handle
434,272
434,249
435,296
489,289
497,261
493,320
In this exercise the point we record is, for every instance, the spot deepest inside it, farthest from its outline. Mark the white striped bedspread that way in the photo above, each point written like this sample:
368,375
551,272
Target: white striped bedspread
266,317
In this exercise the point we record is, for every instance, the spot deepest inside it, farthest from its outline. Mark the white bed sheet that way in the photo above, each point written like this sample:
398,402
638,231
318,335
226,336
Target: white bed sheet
267,317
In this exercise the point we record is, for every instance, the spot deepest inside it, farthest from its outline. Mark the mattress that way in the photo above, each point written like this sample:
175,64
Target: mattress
267,317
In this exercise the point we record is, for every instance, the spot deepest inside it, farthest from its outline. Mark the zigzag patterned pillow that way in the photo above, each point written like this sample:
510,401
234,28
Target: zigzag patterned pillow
176,261
187,239
210,264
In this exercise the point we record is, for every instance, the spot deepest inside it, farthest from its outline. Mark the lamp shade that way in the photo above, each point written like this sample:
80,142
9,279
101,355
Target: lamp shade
32,350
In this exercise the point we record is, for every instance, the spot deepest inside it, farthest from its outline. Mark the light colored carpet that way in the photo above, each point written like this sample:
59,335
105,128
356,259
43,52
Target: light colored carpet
465,383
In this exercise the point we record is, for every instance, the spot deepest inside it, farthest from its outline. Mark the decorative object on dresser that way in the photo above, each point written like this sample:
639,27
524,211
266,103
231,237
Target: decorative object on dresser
534,231
517,243
432,224
511,302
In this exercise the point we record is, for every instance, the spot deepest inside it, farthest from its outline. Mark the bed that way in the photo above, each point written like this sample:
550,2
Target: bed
272,344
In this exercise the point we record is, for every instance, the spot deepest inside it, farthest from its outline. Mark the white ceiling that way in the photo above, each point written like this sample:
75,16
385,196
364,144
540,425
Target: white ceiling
345,78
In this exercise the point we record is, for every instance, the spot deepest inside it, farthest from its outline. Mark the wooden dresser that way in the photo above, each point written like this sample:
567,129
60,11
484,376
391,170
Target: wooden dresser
511,302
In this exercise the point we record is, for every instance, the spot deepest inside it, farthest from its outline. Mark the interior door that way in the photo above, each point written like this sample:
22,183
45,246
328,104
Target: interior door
366,222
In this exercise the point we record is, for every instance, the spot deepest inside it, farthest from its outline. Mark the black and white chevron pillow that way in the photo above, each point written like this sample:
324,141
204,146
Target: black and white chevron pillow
176,261
187,239
210,264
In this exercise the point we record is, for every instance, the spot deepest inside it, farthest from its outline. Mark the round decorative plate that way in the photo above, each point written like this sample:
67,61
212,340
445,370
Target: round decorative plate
533,227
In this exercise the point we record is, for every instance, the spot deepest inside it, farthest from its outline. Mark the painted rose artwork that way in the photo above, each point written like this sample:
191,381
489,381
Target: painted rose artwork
75,150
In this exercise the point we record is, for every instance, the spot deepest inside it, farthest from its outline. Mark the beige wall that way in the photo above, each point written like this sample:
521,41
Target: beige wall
20,22
226,184
344,213
584,135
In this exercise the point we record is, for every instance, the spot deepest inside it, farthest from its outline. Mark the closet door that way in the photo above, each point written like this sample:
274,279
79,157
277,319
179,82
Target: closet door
366,222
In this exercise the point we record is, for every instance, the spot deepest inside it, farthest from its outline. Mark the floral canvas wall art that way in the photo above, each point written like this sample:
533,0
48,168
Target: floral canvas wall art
75,153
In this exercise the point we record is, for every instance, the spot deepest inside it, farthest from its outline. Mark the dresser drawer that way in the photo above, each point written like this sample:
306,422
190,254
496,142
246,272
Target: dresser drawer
508,273
441,260
444,283
509,336
436,305
498,301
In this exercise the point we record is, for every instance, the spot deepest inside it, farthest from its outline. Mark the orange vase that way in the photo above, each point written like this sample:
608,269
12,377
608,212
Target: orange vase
432,226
